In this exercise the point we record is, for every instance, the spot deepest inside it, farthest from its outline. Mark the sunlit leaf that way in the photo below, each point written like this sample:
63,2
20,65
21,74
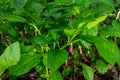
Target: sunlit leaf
107,49
10,56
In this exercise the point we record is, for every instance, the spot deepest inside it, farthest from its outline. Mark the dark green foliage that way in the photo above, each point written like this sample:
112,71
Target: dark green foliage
36,35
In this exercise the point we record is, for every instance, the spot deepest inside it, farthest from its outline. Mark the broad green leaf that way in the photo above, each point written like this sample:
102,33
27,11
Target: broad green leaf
87,72
107,49
56,75
102,66
96,21
116,25
55,58
110,32
26,63
10,56
101,10
109,2
14,18
91,31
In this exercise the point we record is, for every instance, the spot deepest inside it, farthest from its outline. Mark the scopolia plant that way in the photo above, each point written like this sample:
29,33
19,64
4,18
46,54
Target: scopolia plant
58,39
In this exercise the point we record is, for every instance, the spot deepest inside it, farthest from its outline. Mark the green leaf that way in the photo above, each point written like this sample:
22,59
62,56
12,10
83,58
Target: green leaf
101,10
87,72
97,21
44,75
107,49
102,66
14,18
54,34
116,25
13,32
91,31
10,56
109,2
110,32
20,3
118,60
55,58
86,44
40,67
55,75
26,63
42,40
66,71
71,32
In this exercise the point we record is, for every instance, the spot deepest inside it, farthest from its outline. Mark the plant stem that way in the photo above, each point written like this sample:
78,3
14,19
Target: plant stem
47,72
36,28
43,54
64,46
69,43
5,44
118,15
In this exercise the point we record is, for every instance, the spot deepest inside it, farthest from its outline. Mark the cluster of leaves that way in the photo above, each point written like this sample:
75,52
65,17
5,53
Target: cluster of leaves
44,34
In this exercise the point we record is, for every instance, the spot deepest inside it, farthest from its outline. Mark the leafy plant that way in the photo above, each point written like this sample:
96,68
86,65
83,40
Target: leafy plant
58,39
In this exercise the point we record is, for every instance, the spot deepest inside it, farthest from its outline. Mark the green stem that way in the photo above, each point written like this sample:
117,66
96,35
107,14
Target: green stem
43,54
5,44
64,46
118,14
36,28
69,44
76,40
68,39
74,35
47,72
